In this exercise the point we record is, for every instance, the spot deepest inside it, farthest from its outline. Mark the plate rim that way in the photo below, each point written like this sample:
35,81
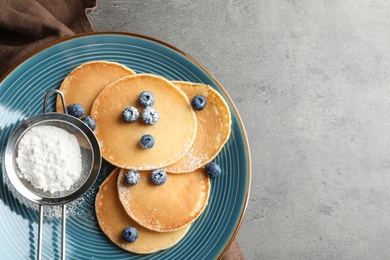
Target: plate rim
163,43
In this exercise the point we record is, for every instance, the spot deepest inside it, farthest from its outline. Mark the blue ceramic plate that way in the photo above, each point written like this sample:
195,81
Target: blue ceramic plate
21,96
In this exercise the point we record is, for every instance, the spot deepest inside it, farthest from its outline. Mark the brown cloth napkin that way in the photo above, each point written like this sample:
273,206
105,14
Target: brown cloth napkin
26,25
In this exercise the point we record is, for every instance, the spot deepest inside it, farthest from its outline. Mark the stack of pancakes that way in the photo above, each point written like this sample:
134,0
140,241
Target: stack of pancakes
185,140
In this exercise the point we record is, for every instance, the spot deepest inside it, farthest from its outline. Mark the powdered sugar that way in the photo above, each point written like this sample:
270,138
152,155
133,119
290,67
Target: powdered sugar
50,158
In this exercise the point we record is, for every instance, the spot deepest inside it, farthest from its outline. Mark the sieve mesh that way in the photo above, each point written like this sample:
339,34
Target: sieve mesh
90,156
86,158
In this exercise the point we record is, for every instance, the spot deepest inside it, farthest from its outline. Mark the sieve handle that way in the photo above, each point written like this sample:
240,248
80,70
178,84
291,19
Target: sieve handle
39,256
63,236
61,96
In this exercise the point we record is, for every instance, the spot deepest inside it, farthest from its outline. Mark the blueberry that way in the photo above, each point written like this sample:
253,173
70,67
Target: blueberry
146,99
147,141
75,110
158,177
132,177
130,114
150,116
90,122
198,102
212,169
130,234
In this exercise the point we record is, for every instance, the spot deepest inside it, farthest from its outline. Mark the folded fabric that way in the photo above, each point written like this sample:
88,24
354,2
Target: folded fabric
27,25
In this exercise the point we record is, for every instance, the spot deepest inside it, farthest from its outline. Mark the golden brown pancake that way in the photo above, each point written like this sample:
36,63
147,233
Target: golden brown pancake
214,123
167,207
113,219
84,83
174,132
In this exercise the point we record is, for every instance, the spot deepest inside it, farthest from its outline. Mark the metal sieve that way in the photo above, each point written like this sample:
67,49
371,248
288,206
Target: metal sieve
90,155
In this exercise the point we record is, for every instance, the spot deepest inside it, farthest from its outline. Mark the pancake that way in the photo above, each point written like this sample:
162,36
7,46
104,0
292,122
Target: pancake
167,207
174,132
113,219
214,124
84,83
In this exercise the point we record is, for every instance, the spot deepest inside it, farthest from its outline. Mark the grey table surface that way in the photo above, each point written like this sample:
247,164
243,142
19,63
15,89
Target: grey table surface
311,82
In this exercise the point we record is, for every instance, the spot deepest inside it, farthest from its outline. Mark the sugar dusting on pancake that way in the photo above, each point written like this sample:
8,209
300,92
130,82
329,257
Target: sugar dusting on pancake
113,219
174,132
171,206
214,124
